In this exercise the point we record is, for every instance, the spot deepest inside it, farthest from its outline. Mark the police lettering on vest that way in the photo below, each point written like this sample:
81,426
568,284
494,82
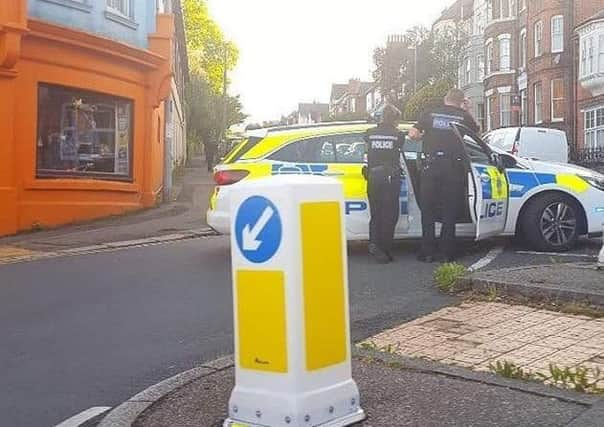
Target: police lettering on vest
384,146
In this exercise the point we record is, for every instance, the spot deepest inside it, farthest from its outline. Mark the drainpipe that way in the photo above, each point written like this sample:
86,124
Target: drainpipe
168,138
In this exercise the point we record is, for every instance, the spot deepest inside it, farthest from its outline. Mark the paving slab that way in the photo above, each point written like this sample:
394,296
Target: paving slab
530,338
391,396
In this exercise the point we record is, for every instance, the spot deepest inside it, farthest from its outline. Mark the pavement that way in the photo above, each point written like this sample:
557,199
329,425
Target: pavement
477,335
184,213
394,391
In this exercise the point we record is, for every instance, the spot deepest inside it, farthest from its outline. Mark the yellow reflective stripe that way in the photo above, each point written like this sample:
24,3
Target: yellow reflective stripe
261,320
323,284
572,182
499,185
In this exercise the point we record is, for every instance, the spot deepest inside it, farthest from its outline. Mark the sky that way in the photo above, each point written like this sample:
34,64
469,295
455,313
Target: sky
291,51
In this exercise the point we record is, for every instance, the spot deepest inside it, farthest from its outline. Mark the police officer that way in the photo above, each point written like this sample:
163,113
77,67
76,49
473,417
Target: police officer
443,176
383,146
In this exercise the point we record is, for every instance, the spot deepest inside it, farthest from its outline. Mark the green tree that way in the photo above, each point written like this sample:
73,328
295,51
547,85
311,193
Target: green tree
429,96
209,54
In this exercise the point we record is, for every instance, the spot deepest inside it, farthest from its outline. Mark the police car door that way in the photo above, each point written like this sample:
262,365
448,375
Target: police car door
487,185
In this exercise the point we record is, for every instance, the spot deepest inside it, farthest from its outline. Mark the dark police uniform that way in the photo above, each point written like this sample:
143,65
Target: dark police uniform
443,176
384,144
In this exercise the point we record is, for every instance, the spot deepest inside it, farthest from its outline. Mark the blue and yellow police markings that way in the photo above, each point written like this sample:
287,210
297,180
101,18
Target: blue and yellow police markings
521,182
494,188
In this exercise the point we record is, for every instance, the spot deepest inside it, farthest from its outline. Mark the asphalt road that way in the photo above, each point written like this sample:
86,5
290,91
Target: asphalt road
93,330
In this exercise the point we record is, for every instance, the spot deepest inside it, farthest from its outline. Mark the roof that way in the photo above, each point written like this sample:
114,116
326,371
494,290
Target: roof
338,90
366,87
454,12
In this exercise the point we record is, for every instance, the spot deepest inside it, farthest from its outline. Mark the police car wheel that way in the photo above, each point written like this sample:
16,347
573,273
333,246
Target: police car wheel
550,223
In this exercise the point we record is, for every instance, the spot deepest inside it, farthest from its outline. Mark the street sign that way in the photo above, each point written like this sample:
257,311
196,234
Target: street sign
290,300
258,229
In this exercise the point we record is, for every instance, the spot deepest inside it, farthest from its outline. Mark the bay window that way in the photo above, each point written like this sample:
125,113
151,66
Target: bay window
594,128
83,134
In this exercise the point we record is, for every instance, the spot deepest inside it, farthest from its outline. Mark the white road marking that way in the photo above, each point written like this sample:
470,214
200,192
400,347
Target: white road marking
487,259
556,254
82,417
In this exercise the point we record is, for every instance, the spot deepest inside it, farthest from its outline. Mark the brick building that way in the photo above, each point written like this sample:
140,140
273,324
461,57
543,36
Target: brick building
589,75
537,63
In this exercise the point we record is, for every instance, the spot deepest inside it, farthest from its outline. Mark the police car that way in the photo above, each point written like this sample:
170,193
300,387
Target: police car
549,205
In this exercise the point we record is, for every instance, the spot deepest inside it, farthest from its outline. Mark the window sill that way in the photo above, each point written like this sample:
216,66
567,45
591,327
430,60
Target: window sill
52,181
121,19
72,5
558,120
500,73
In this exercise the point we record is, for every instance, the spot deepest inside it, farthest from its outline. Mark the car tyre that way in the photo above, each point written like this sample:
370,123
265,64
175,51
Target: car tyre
550,223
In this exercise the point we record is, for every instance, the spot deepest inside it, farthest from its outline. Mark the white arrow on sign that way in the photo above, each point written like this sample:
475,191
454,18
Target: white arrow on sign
250,235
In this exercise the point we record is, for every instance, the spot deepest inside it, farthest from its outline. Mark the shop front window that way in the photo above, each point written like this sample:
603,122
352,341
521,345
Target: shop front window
83,134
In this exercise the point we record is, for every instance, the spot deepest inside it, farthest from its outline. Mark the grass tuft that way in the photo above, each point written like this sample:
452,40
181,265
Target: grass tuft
448,274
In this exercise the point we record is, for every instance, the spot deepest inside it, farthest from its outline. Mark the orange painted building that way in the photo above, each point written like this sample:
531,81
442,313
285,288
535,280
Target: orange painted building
81,121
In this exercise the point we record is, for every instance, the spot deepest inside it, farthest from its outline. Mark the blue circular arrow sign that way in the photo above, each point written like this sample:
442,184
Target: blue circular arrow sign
258,229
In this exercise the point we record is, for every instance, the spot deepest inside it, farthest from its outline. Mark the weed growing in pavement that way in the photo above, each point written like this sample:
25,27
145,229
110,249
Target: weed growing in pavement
581,379
390,348
510,370
492,293
446,275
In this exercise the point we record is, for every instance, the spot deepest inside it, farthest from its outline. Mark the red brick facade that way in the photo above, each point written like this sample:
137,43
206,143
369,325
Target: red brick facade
584,11
549,66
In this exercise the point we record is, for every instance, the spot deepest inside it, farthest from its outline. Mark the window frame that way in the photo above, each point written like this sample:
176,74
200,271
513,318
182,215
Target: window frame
48,173
489,58
331,139
507,39
523,48
591,133
554,100
538,103
538,39
524,107
556,49
481,67
505,115
128,13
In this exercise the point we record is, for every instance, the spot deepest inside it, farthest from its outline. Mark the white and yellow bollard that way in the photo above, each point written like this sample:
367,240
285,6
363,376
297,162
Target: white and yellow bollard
290,294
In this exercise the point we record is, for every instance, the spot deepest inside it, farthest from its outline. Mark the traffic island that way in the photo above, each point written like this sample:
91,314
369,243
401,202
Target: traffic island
565,283
394,391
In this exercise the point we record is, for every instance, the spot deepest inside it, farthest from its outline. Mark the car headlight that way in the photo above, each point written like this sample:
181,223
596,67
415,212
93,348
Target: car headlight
596,181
